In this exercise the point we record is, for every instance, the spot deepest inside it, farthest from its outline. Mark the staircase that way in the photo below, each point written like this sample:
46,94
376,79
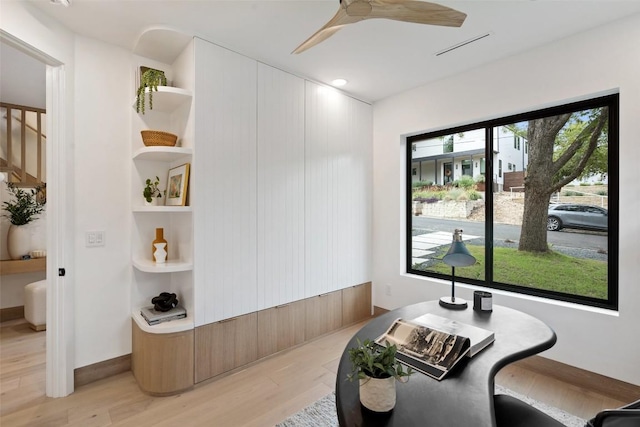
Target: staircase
23,144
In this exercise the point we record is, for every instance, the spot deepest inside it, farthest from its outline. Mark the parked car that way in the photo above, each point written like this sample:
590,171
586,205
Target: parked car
577,216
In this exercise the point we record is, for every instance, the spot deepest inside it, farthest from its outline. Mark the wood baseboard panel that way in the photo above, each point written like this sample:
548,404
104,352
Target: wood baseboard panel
11,313
377,311
617,389
100,370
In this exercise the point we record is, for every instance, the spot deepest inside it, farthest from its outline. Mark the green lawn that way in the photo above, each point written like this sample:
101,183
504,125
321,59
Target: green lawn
550,271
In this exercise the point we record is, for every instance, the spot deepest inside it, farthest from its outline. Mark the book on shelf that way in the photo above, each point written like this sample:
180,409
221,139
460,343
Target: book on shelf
153,316
426,348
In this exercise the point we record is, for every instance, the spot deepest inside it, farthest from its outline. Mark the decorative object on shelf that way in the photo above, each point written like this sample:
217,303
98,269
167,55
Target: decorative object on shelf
151,192
482,301
165,301
377,370
458,256
155,138
151,79
177,185
25,208
160,247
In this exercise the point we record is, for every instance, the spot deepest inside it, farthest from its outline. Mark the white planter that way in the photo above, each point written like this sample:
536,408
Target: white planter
378,394
154,201
18,241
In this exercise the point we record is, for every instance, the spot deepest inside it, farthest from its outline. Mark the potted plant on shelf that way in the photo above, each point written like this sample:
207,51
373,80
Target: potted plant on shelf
25,208
377,370
151,192
151,79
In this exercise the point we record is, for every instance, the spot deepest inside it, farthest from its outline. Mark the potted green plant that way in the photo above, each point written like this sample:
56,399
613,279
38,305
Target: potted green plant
21,211
480,186
151,192
377,370
151,79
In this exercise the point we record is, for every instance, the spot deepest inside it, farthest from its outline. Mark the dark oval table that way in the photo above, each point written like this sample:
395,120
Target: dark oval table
465,396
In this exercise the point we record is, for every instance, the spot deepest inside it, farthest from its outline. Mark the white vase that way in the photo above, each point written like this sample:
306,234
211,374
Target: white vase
378,394
160,253
153,202
18,241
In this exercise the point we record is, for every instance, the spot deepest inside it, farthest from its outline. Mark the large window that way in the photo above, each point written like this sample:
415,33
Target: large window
545,226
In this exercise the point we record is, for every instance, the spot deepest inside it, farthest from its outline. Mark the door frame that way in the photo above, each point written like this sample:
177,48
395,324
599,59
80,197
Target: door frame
60,334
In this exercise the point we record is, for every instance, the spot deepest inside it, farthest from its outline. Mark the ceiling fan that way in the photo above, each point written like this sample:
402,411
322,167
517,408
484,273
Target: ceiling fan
352,11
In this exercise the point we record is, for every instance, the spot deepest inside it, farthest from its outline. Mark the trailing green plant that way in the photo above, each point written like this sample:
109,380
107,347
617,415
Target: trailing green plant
25,208
150,79
375,361
151,189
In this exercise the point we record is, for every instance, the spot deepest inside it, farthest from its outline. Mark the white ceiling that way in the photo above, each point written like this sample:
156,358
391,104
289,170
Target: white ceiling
378,57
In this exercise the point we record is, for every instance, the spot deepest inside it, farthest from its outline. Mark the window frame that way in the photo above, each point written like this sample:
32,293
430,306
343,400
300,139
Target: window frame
610,101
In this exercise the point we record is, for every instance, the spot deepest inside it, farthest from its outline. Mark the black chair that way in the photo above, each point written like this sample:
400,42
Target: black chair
512,412
626,416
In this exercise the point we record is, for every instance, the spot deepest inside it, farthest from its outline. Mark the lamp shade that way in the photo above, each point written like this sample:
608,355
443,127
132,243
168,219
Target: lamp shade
458,255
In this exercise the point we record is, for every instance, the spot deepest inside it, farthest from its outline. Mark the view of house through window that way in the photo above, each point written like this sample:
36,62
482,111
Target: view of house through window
534,195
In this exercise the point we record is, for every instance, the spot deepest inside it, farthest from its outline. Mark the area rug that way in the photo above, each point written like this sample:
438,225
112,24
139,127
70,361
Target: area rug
322,413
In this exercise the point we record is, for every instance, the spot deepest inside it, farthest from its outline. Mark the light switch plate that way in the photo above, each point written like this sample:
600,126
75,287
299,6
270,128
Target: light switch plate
94,238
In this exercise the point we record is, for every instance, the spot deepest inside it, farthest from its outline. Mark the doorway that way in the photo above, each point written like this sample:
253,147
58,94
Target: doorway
59,307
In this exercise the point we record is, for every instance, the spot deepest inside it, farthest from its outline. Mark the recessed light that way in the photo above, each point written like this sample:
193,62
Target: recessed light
339,82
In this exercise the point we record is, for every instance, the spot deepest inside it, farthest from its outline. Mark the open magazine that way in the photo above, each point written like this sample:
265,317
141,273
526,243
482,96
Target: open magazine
432,351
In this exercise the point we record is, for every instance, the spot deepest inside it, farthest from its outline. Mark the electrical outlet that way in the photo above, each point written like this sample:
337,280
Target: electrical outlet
388,290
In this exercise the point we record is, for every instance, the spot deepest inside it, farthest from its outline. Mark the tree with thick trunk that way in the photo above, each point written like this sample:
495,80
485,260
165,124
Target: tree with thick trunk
543,176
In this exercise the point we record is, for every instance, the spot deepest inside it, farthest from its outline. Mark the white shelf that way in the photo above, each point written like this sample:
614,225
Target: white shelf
160,209
173,326
149,266
162,154
166,99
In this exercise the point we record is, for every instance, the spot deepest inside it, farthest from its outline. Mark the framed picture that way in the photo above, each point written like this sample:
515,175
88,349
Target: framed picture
177,186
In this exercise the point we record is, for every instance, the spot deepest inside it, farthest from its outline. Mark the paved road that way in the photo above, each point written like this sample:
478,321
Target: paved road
564,238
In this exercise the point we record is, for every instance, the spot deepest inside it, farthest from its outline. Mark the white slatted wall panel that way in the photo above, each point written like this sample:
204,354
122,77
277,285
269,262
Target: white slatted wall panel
280,187
225,217
361,134
338,138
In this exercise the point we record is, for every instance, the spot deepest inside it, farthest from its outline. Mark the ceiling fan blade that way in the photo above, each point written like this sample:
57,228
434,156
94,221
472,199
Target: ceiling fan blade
339,20
420,12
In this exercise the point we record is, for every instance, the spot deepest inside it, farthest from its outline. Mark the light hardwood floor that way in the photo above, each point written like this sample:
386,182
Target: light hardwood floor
261,395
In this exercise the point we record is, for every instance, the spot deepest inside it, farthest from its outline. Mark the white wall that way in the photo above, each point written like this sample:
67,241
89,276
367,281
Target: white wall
23,78
104,95
598,61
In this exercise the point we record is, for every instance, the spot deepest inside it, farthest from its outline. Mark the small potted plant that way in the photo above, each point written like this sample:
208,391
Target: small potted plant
25,208
151,192
377,370
151,79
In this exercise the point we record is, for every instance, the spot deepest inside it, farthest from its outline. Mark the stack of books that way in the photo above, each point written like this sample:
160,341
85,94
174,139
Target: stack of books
153,317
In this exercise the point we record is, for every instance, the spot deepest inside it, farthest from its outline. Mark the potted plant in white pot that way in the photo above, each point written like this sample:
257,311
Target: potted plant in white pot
21,211
151,192
377,370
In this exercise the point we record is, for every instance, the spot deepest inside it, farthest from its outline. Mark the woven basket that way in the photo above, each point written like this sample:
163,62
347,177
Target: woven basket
156,137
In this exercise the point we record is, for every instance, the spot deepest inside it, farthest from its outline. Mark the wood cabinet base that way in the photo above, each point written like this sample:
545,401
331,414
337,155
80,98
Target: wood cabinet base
162,363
